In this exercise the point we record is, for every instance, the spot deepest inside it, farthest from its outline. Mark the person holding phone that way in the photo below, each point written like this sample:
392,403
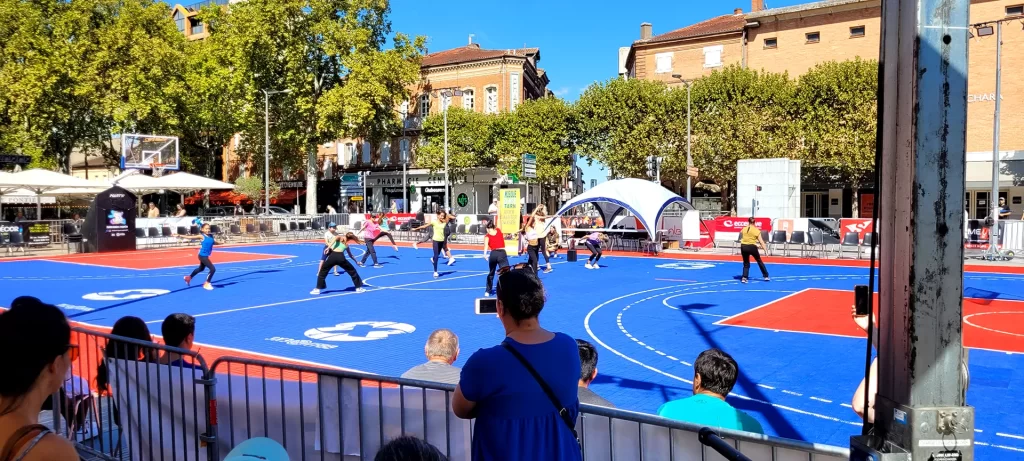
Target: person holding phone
750,239
494,251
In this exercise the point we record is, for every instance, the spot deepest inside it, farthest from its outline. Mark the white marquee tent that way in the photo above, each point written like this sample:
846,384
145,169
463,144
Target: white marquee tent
645,199
40,181
183,182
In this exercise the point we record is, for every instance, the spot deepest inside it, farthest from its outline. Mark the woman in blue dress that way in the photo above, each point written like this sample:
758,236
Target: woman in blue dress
516,418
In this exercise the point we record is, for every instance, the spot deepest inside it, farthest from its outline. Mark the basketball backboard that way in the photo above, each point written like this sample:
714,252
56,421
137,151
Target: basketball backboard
149,152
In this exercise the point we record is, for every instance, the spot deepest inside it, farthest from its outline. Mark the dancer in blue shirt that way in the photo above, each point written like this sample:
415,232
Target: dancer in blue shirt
205,250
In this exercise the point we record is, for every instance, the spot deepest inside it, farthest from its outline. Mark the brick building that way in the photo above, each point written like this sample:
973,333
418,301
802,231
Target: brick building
794,39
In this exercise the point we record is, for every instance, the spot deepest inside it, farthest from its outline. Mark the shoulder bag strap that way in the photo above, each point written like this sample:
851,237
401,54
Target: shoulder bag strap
18,439
562,411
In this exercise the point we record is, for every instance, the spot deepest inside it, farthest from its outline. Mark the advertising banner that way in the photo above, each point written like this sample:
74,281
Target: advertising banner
509,218
37,233
860,226
110,223
729,227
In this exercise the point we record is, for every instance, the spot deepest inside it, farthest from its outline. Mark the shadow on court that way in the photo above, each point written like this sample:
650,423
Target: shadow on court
218,284
667,392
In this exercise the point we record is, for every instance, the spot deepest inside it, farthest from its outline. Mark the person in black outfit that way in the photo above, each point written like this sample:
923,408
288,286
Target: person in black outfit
494,251
750,238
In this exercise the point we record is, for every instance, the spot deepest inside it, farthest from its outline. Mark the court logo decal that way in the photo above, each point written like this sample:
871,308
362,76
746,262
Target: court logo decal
359,331
125,295
686,265
469,256
72,307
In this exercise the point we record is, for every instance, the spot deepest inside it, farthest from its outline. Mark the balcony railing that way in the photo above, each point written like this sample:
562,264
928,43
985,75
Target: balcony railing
197,5
413,123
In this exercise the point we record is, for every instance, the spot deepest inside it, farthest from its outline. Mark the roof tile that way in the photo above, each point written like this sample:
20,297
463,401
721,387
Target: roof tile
718,25
470,53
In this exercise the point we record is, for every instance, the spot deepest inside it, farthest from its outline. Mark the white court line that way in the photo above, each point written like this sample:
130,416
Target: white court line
819,399
1012,436
590,331
314,298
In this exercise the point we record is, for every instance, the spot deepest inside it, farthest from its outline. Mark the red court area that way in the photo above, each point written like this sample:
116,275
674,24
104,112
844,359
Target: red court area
988,324
160,259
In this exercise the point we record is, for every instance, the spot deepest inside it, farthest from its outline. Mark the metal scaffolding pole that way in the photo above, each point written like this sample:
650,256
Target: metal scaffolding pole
920,408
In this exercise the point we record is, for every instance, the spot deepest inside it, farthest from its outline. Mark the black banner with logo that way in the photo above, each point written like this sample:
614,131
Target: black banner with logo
110,224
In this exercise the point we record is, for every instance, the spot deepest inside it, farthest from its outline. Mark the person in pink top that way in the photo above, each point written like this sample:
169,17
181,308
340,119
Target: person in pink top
370,233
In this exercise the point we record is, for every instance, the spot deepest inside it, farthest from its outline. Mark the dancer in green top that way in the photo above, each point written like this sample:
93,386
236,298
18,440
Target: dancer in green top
336,246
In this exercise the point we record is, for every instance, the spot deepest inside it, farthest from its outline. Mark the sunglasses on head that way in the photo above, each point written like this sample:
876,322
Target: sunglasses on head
526,267
73,351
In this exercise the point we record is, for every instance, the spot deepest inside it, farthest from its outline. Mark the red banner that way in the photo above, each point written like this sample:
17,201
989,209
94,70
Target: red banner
860,226
735,224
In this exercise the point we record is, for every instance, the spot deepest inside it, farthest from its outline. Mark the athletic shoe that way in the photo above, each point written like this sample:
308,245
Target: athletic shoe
451,261
487,293
188,280
315,291
436,275
767,279
336,273
377,266
596,266
431,260
207,286
360,290
548,270
395,247
588,266
361,264
743,280
415,246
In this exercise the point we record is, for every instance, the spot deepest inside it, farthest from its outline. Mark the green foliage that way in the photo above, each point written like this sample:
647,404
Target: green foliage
469,142
330,55
622,122
252,188
741,114
542,127
836,108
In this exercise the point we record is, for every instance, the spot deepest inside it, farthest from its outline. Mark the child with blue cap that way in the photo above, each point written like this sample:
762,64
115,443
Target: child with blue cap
258,448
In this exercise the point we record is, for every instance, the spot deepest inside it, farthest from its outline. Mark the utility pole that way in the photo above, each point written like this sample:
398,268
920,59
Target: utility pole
920,408
689,160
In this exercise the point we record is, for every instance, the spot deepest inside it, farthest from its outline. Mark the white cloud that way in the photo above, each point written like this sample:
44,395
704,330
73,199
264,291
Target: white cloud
561,92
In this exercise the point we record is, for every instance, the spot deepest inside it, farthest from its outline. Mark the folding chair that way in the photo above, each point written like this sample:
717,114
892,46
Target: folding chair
869,240
797,238
72,235
816,240
850,239
15,240
778,238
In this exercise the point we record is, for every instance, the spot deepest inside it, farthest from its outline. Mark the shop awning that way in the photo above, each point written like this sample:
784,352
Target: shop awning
226,197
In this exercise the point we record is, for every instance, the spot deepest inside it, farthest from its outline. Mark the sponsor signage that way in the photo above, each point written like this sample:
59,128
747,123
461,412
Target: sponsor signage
858,225
110,223
292,184
529,166
736,224
15,160
38,233
27,200
7,227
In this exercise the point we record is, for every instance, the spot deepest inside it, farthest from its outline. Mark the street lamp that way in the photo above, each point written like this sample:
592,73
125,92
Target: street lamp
446,95
266,145
689,162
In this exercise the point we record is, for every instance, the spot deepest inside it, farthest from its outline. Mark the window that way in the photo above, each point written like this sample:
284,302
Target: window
491,103
468,101
513,91
856,31
351,154
424,105
196,26
771,43
403,150
663,63
1015,10
813,37
713,56
385,152
366,152
179,21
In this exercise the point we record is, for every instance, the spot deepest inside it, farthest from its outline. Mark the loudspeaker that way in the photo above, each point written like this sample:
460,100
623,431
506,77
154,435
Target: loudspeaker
571,256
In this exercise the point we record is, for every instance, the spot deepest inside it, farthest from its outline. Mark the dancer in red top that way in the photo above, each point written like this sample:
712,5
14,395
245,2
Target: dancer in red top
494,243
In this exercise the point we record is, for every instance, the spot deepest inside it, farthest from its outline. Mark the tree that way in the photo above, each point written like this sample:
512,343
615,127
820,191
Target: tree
836,109
330,54
76,72
542,127
469,142
739,114
252,188
623,122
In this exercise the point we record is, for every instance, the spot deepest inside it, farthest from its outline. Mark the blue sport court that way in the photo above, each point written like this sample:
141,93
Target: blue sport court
801,356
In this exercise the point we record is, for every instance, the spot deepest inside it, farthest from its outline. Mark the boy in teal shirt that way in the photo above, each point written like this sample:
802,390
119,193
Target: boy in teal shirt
714,375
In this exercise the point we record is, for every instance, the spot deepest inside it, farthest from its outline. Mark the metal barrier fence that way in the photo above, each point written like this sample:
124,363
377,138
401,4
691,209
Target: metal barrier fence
123,400
159,411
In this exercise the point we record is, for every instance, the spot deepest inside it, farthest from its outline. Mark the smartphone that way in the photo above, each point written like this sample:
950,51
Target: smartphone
861,299
486,306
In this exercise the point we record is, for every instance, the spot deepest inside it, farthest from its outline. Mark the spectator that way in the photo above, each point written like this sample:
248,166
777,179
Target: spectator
19,217
126,327
714,375
258,448
1004,211
331,210
35,354
588,371
870,387
179,211
492,209
408,448
520,390
442,350
179,331
153,212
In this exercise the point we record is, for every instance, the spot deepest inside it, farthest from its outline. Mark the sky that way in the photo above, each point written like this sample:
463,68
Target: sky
578,40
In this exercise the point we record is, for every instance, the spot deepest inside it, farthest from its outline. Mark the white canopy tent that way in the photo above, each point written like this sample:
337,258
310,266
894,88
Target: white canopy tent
184,182
40,181
645,199
136,183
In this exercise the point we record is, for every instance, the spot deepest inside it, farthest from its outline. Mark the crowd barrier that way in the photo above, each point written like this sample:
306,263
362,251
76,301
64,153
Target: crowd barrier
154,411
